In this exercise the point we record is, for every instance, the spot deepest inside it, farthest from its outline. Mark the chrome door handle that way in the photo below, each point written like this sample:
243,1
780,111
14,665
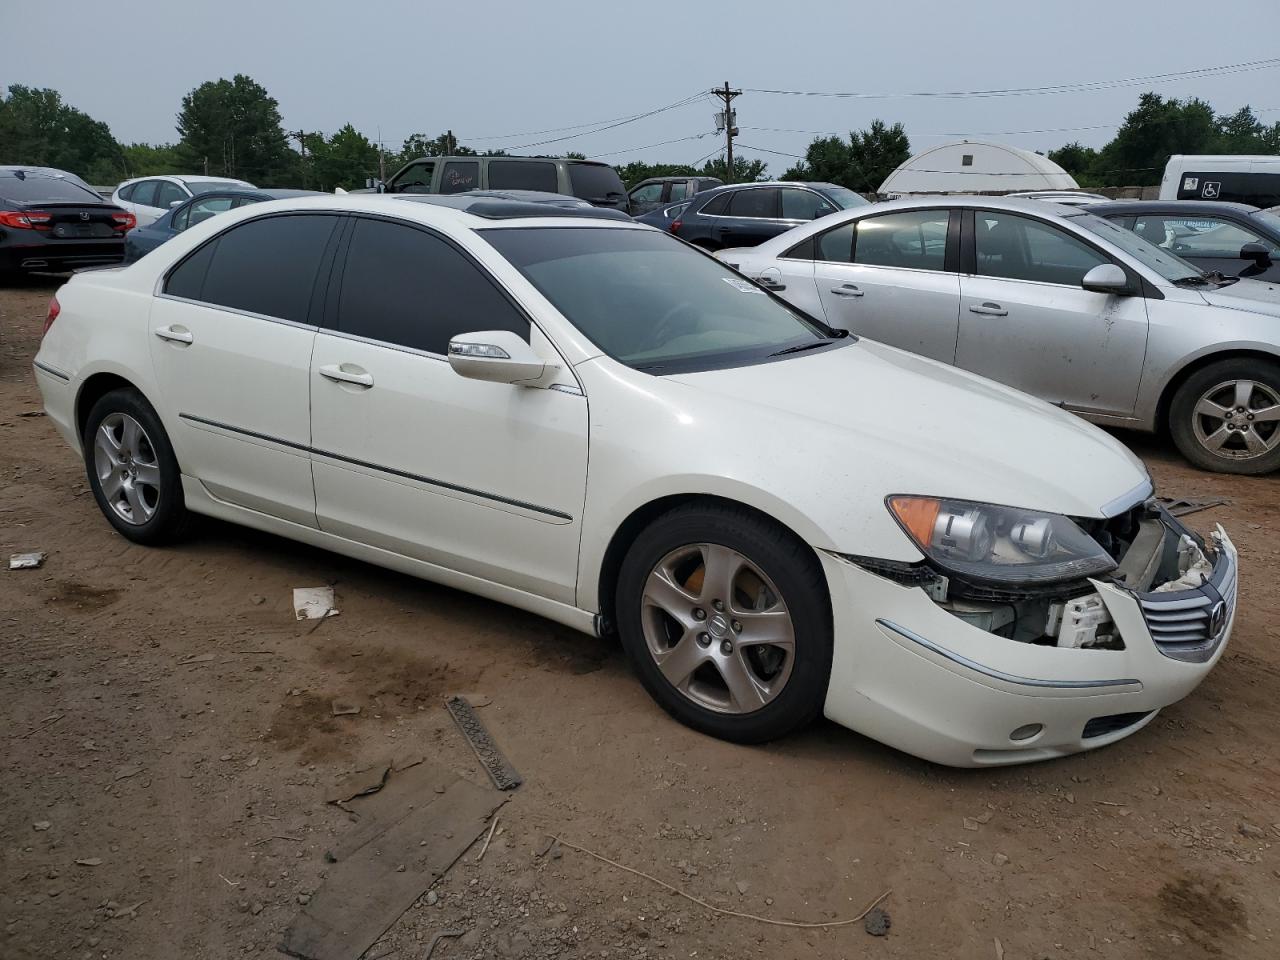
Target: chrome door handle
175,334
989,309
846,290
338,375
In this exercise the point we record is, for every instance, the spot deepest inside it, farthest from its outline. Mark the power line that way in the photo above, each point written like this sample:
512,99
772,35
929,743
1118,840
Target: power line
618,123
660,143
1080,87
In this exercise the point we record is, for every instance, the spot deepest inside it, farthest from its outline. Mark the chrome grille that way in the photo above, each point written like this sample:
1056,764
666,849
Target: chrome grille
1182,623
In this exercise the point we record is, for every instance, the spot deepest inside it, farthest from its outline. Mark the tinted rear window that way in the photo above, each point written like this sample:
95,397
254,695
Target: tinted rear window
522,175
265,266
34,188
596,181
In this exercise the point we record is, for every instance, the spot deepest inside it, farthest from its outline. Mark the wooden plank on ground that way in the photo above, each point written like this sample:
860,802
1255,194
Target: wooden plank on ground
425,832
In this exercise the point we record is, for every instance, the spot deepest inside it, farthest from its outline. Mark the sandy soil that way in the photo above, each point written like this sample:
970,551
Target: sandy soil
130,777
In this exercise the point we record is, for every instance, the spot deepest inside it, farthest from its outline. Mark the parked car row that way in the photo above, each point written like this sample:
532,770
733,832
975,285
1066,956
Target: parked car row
553,406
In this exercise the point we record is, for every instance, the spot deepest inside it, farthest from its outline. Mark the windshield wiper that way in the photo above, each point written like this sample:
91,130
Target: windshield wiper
801,346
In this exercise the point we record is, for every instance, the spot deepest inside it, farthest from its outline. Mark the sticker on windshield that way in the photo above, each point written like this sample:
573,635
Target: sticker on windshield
1191,183
742,286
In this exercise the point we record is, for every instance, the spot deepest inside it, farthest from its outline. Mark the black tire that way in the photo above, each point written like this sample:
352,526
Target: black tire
783,559
169,519
1187,426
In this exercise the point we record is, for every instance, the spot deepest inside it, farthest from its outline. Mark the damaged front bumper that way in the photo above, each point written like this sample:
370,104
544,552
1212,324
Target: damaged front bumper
949,680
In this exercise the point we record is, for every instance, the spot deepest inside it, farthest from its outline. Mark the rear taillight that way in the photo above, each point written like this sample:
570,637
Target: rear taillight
124,221
25,219
55,308
675,226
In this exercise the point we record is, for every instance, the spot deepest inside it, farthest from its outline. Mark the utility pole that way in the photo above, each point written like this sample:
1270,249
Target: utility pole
730,129
450,143
301,137
382,161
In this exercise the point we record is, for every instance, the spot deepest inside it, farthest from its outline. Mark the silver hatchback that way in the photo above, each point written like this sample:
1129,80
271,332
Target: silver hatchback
1056,302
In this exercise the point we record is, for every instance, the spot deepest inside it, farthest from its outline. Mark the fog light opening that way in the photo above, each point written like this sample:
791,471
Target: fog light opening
1027,731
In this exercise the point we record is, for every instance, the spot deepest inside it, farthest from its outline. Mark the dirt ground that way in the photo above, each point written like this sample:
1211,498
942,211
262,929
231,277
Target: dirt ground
169,743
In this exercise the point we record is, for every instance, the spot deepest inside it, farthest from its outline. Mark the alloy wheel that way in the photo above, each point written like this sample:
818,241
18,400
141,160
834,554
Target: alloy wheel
127,468
717,628
1237,420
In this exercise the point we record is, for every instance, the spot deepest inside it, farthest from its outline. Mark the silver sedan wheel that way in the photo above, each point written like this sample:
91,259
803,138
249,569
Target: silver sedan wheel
1238,420
717,628
127,467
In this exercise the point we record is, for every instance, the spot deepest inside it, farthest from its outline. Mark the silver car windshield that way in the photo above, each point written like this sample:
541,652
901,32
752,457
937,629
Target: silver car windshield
1170,266
651,302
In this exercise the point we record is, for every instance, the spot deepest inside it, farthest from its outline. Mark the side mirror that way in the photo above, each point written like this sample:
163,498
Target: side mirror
822,212
178,203
1256,252
1106,278
498,356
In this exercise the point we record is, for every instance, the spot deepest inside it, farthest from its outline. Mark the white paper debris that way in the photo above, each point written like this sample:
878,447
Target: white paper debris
25,561
313,603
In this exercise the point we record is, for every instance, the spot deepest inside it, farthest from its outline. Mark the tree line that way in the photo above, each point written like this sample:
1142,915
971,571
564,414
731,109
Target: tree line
233,128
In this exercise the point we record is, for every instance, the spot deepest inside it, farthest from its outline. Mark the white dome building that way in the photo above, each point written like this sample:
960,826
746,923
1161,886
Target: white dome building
975,166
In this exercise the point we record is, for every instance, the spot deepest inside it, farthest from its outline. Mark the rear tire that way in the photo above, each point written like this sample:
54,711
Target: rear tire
132,470
1226,417
700,593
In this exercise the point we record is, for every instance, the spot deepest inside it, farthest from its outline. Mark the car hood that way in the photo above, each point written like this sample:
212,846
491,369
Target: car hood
1254,296
879,418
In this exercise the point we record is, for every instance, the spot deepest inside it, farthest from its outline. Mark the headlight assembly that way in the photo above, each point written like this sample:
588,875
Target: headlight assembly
999,545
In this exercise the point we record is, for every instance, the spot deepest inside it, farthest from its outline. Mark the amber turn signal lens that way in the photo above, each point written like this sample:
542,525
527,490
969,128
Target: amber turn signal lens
917,516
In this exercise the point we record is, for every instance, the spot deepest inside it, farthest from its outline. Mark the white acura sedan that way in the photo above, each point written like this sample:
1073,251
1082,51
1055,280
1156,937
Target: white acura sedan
592,421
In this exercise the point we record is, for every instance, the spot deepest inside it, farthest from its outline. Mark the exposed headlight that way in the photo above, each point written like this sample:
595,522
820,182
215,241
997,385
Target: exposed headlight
992,544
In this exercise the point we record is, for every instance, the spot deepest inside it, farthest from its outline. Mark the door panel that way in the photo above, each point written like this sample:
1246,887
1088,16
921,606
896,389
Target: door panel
1063,344
1025,320
915,310
484,478
233,359
237,392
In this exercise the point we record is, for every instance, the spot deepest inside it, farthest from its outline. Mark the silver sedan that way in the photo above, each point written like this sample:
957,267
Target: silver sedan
1056,302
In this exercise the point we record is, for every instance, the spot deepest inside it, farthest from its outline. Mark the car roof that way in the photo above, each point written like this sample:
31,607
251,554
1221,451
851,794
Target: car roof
494,205
482,213
1173,206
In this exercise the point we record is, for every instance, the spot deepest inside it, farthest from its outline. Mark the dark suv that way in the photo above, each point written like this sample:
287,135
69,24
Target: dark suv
745,214
597,183
661,191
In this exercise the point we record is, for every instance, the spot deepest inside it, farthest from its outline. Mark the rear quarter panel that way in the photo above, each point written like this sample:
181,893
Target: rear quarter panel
101,328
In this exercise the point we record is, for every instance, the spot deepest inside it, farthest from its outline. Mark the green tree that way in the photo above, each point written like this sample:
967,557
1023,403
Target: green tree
1152,132
861,164
147,160
1077,159
233,127
744,170
347,160
38,128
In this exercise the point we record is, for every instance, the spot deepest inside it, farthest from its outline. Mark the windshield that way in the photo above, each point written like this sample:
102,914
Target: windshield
843,198
1269,218
1168,265
34,188
208,186
651,302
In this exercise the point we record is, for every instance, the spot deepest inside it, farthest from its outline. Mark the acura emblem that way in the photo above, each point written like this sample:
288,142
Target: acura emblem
84,216
1218,618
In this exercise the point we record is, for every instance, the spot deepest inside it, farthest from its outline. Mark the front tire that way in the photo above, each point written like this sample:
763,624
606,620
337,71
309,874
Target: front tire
132,470
1226,417
726,618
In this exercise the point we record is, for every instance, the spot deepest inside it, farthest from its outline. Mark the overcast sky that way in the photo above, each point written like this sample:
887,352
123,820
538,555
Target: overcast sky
501,67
